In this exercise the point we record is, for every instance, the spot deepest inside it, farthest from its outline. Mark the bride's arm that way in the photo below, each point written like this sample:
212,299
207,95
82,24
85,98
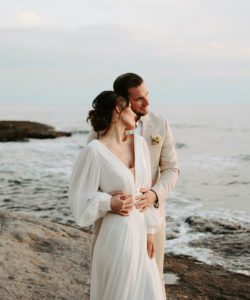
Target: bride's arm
86,202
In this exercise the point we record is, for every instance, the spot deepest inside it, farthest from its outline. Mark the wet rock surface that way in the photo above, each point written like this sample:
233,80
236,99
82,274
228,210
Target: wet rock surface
214,226
172,228
23,130
199,281
224,238
41,259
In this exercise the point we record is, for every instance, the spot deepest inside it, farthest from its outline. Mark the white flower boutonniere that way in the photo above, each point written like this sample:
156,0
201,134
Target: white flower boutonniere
156,139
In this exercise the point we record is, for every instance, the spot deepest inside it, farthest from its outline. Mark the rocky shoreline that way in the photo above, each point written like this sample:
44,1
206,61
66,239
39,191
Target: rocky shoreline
200,281
23,130
41,259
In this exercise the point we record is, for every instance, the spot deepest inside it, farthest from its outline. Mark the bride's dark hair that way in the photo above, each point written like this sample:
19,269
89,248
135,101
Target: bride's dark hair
103,106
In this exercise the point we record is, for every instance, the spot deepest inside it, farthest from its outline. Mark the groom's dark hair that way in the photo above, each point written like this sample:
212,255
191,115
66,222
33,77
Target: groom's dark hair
126,81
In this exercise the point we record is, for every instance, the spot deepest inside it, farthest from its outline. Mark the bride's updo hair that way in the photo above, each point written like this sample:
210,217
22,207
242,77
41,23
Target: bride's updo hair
103,106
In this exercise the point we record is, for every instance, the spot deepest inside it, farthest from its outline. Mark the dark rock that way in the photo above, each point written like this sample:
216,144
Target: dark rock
199,281
228,241
214,226
172,228
23,130
229,246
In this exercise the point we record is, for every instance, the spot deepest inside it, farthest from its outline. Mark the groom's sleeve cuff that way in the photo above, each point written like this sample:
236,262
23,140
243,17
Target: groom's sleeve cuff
156,203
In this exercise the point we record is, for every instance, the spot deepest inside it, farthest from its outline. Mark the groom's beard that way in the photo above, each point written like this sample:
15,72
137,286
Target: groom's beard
139,114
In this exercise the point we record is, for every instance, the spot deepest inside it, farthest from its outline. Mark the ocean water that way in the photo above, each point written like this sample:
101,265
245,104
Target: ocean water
213,148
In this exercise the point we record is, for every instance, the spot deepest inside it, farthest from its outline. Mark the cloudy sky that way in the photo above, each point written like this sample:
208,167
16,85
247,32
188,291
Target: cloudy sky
67,51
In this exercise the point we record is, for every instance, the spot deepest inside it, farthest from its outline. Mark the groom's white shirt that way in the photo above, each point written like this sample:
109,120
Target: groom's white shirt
137,129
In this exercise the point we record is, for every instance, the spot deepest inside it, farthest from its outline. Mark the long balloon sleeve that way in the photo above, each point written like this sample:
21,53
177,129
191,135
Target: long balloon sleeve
86,202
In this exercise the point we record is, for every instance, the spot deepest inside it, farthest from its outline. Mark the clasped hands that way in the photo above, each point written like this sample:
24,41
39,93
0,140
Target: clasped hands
122,204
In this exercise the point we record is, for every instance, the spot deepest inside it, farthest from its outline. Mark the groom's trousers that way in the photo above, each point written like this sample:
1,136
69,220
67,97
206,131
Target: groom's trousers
160,238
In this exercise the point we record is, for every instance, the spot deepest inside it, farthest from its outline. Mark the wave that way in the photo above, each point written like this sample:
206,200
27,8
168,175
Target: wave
238,182
244,157
73,132
180,145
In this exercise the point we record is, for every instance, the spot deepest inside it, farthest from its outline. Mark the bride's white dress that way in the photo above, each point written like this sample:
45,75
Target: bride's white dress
121,267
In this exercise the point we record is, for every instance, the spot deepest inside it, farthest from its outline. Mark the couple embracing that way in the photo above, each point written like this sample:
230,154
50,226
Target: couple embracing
119,182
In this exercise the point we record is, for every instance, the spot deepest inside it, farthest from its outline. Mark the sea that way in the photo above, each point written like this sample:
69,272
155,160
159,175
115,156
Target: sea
208,210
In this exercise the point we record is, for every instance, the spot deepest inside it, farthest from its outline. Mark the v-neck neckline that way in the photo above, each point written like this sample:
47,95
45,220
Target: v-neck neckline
121,162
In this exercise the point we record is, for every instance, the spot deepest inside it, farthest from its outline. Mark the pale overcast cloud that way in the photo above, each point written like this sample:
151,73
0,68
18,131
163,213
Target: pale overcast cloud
188,51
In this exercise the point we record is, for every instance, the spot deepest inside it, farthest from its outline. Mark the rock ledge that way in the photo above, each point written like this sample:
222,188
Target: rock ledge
23,130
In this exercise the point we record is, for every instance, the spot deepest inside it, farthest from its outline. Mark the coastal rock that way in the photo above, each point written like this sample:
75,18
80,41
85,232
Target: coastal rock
228,241
23,130
199,281
41,259
172,228
230,247
214,226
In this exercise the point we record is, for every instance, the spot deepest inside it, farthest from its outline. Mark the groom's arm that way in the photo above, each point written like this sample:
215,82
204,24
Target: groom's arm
169,167
169,172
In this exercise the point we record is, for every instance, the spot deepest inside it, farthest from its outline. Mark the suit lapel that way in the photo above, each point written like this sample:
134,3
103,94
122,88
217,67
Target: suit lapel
146,126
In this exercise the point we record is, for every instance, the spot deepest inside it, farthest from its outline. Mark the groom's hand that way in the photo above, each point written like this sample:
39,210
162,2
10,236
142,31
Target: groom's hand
147,198
121,203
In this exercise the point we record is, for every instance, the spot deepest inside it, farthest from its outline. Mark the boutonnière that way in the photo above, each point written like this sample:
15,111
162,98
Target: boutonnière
156,139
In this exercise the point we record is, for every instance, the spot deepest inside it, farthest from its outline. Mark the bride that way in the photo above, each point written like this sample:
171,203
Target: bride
121,266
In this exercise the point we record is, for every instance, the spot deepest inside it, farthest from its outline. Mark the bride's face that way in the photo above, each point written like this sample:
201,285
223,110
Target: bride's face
127,117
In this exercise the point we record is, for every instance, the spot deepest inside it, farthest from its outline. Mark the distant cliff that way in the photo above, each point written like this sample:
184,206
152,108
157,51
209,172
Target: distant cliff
23,130
40,259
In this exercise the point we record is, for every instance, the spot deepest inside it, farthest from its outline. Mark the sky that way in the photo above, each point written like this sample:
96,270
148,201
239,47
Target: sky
67,51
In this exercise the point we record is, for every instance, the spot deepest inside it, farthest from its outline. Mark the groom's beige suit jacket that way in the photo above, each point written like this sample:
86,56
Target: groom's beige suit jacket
164,169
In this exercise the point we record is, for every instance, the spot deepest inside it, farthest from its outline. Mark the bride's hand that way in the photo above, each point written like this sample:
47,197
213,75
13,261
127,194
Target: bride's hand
121,203
151,245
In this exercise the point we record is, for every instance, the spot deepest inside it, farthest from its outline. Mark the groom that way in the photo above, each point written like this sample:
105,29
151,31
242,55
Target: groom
164,165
